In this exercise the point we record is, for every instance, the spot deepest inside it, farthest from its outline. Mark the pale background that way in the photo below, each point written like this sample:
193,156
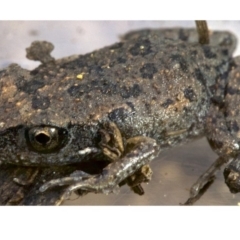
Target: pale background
174,171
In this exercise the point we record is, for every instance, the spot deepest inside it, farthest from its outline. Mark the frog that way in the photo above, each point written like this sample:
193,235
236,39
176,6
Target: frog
125,103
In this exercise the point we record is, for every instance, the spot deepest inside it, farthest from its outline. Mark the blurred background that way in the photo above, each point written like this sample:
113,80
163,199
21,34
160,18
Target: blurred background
174,171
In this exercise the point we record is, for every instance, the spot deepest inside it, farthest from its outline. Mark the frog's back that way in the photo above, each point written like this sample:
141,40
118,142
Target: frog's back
149,85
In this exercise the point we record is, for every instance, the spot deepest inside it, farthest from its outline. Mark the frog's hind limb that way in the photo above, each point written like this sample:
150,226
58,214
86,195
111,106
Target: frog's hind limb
223,134
222,142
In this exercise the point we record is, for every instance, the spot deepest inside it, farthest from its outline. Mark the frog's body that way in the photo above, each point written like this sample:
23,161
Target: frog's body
156,85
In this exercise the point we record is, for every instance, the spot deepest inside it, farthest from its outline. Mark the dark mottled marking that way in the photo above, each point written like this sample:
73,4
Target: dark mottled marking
183,65
226,114
227,41
80,62
220,67
224,76
40,102
176,57
186,109
218,100
131,105
215,144
107,87
167,103
32,86
75,91
233,65
200,76
119,114
148,70
34,72
181,61
111,64
8,137
116,45
213,88
225,52
203,100
213,120
95,84
182,45
133,91
208,52
183,35
121,60
189,94
95,69
234,126
206,67
194,53
104,86
148,109
142,47
232,91
147,105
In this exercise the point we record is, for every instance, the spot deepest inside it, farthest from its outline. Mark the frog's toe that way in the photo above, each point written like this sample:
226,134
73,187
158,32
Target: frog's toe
232,175
207,177
76,176
90,185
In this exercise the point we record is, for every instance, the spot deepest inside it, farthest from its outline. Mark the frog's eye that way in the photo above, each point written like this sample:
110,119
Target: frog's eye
46,139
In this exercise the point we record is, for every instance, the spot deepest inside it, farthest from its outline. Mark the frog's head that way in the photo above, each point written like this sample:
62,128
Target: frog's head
41,123
46,145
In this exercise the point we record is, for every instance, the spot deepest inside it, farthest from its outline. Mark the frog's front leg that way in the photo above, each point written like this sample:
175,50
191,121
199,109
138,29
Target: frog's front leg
112,146
127,164
139,152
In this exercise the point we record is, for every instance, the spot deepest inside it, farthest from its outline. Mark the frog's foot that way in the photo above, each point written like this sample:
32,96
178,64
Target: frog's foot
232,175
139,152
27,178
111,141
143,175
200,193
206,177
113,148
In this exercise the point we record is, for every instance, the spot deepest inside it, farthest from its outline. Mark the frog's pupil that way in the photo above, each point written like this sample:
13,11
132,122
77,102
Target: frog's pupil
42,138
46,138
